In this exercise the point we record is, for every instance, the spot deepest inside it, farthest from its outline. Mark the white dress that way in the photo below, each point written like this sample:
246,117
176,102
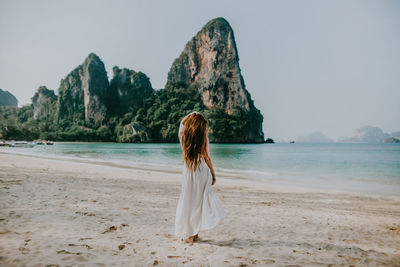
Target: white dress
198,208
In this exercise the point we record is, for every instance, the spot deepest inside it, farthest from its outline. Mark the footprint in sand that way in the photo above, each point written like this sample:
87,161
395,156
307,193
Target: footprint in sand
81,245
23,250
268,261
63,251
110,229
27,241
84,238
74,258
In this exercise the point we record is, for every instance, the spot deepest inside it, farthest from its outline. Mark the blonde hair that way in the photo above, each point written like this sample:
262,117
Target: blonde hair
194,140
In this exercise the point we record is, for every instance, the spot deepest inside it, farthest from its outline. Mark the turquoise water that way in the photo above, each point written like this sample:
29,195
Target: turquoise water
361,168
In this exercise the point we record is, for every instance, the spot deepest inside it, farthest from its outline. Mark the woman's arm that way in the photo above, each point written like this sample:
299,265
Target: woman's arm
208,161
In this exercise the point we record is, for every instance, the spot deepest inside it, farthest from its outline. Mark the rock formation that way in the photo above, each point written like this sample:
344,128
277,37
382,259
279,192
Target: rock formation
43,103
206,77
128,91
7,99
140,133
210,60
133,133
210,63
82,94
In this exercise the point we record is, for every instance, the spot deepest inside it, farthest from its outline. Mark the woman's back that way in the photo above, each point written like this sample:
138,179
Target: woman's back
198,207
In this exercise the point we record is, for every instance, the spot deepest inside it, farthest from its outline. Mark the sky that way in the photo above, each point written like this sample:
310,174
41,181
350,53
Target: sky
311,65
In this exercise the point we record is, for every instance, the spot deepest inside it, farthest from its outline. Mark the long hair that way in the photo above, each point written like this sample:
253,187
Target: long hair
194,140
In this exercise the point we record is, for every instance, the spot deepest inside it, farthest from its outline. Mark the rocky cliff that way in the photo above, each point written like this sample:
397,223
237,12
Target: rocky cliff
210,60
128,91
43,103
83,92
7,99
210,63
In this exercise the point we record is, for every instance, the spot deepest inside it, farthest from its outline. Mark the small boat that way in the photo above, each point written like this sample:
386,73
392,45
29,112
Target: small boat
49,143
292,142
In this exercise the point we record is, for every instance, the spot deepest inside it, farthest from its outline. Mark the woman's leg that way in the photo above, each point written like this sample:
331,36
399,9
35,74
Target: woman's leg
191,239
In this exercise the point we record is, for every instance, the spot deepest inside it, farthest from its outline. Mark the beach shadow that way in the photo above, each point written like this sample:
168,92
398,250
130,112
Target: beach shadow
234,242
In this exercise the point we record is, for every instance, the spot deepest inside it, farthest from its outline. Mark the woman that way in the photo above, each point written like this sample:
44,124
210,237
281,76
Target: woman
198,206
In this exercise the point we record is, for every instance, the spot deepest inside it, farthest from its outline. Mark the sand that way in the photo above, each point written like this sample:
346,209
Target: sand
69,213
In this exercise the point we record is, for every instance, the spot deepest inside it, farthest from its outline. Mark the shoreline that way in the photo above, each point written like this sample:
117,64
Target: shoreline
231,176
71,213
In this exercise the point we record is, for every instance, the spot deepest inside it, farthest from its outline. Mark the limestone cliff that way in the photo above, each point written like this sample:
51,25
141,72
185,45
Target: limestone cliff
83,92
128,91
210,63
7,99
43,103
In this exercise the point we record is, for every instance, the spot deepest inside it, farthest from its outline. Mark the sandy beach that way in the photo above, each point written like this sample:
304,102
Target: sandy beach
55,212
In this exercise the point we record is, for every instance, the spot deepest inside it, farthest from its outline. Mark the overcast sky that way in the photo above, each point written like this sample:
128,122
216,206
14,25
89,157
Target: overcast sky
330,66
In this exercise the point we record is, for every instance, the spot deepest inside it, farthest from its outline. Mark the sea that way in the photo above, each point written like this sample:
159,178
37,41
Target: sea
372,169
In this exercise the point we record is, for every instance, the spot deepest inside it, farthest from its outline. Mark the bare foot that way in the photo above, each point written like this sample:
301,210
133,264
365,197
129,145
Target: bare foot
189,240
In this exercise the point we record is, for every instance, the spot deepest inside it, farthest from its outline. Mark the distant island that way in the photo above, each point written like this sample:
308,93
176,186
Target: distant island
365,134
206,77
371,134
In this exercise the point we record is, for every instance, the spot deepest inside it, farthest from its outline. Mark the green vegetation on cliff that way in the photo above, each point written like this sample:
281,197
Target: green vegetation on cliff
157,120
